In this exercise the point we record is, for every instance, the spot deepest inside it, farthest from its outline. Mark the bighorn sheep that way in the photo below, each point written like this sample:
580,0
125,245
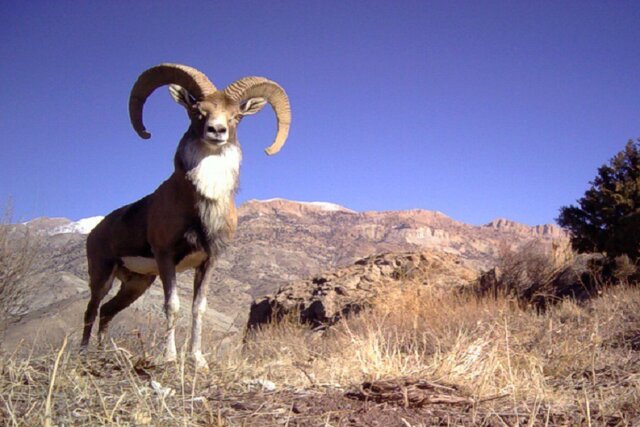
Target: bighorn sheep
189,219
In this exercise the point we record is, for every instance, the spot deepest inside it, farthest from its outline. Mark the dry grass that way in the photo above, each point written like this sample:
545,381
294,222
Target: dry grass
571,365
105,388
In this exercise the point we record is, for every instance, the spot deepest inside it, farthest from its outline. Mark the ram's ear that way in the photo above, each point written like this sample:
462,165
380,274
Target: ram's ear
252,106
181,96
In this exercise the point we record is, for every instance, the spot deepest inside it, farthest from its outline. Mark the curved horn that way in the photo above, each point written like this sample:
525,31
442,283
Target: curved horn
252,87
189,78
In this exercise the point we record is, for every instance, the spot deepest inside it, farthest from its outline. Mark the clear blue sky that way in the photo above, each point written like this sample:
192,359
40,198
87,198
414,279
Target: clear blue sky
476,109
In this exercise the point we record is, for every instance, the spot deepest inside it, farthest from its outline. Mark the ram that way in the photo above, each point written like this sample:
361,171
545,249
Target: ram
191,217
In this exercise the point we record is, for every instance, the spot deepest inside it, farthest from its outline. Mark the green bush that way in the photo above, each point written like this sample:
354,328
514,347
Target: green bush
607,217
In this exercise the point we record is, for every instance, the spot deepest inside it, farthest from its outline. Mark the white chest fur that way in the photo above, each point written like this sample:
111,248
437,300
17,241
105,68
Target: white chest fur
214,176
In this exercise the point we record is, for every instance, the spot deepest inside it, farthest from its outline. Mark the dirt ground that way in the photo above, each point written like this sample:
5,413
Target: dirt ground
337,408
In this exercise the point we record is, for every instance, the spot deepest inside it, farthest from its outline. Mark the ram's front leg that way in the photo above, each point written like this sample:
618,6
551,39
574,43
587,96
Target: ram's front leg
201,280
167,272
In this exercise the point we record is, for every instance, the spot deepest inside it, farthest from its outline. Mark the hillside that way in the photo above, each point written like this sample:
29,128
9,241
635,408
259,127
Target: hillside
278,241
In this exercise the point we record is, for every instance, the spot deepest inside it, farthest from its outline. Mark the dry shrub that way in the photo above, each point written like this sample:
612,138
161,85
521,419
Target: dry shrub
18,248
625,269
528,271
538,275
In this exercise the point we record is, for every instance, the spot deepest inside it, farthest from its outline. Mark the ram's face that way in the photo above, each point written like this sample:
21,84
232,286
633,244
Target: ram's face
215,120
216,117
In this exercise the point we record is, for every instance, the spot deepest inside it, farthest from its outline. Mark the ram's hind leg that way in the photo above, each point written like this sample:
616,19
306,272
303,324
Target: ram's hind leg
100,281
133,286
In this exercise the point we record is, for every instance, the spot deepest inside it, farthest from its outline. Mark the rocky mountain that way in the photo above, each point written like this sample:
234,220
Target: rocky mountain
278,241
546,230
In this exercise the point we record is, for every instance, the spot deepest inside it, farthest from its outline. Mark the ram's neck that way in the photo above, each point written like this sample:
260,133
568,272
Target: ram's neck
213,172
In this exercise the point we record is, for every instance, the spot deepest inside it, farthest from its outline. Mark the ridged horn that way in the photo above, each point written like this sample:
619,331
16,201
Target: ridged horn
254,87
189,78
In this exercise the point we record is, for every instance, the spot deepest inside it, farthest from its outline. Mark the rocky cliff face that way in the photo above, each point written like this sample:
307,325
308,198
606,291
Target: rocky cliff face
545,231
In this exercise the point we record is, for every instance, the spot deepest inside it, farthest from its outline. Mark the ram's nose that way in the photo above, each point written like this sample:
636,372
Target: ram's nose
216,133
216,128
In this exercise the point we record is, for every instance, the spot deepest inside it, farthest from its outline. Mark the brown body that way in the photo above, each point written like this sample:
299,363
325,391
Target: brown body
191,217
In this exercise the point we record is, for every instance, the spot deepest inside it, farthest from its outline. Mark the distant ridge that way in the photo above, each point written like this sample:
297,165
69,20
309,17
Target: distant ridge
54,226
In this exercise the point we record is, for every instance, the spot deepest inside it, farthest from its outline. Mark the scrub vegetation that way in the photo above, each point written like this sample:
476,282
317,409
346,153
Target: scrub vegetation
420,356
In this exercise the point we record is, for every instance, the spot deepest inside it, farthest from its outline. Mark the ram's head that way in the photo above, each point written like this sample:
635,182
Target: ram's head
214,113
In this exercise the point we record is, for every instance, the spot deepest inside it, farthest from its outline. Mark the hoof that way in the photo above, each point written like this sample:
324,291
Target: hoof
200,362
83,354
169,357
102,339
162,361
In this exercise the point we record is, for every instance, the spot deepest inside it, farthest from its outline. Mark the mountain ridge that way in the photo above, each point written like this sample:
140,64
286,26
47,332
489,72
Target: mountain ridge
84,225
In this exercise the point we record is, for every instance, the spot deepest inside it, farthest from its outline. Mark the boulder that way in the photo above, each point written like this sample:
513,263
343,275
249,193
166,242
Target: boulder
324,299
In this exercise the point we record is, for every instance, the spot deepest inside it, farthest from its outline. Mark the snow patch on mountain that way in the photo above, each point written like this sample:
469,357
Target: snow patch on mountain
323,206
83,226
